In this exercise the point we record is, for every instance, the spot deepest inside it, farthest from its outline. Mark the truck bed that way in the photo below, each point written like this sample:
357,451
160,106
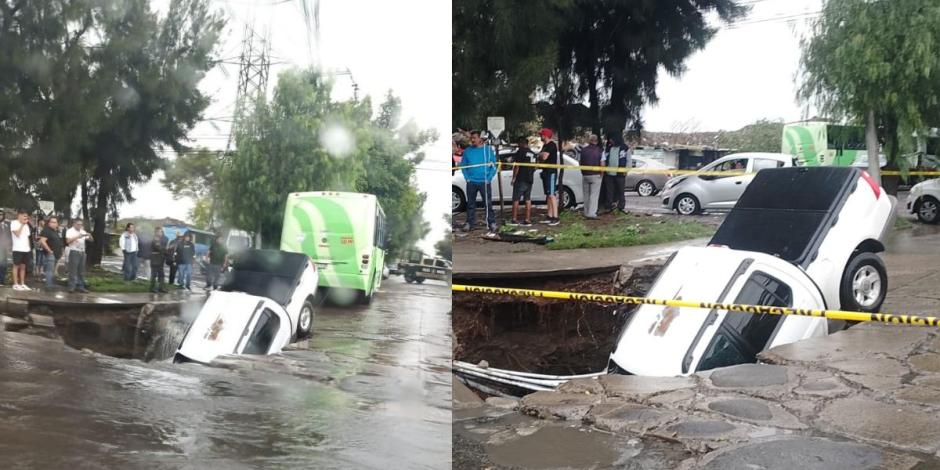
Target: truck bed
787,212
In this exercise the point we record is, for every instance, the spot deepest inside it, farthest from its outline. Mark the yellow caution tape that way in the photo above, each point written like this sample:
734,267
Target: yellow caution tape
659,171
917,320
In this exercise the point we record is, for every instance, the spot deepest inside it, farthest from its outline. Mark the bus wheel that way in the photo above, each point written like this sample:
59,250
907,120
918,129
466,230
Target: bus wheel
305,319
366,298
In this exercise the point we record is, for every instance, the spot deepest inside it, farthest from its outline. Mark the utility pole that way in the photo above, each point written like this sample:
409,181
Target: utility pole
254,66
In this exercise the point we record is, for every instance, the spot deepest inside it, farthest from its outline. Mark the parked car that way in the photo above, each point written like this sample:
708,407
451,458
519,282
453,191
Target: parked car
570,189
799,237
924,201
691,193
265,302
428,268
647,184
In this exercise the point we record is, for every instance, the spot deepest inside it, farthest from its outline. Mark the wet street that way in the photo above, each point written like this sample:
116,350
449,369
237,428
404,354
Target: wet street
371,389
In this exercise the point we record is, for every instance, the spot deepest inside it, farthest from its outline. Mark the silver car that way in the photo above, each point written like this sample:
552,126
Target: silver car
647,183
690,194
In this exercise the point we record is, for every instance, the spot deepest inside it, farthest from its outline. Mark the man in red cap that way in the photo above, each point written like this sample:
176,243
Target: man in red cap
549,154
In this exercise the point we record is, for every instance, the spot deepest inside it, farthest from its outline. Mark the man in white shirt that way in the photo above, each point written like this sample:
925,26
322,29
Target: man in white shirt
20,232
130,246
75,240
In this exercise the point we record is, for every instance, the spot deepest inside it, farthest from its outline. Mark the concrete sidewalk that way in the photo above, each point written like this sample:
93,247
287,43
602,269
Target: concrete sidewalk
552,263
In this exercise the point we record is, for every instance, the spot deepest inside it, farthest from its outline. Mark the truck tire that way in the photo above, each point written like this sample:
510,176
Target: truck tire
419,280
305,319
928,210
864,283
687,204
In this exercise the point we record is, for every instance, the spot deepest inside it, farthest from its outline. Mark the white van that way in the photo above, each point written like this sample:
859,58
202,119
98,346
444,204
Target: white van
265,303
798,237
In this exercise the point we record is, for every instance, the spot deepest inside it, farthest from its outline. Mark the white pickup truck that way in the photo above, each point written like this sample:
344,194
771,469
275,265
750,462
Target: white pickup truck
798,237
266,302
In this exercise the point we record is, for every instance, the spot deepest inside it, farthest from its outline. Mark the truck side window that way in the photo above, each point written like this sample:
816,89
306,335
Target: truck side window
265,331
742,335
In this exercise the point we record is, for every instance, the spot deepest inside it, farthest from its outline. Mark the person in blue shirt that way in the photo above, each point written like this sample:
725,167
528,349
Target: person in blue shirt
479,162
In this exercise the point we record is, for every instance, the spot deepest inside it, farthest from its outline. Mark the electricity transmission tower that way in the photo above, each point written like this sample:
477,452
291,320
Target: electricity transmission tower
254,66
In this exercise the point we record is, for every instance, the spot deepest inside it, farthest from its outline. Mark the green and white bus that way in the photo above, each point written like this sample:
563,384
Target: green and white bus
818,143
344,234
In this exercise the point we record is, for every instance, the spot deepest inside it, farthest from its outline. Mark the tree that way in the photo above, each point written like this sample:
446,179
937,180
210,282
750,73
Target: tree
875,63
195,174
300,141
91,88
761,136
390,171
445,246
616,50
503,51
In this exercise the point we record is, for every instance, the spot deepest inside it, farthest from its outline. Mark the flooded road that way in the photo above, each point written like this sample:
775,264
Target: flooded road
371,389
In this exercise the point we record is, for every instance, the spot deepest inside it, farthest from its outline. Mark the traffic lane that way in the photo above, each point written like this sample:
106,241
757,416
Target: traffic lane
392,358
372,387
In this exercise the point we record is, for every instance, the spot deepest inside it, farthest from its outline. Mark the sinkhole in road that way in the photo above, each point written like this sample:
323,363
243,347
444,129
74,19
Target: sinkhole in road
150,333
546,336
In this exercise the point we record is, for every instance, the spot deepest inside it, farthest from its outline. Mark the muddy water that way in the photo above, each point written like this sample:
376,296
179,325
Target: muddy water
370,390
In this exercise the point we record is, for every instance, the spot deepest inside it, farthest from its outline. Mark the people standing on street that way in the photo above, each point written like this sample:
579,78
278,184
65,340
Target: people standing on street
479,162
549,155
51,244
522,180
6,245
591,155
158,251
185,257
171,259
75,240
39,253
21,234
618,157
130,245
218,261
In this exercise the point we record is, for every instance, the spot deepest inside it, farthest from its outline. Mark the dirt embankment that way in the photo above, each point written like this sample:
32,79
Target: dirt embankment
543,335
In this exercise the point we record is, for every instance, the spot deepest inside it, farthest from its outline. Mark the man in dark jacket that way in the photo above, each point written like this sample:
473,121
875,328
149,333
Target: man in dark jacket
170,256
6,246
218,260
591,178
185,258
157,258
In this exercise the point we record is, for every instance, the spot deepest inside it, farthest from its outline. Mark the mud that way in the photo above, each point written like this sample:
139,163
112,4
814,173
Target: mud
543,335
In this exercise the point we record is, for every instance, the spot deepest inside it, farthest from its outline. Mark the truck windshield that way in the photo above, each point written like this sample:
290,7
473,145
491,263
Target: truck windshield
742,335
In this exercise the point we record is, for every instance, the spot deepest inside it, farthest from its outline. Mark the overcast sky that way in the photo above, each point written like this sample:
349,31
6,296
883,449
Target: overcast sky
742,75
398,45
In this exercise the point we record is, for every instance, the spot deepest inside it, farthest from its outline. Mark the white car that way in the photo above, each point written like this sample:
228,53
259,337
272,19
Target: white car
924,201
570,189
799,237
266,302
691,193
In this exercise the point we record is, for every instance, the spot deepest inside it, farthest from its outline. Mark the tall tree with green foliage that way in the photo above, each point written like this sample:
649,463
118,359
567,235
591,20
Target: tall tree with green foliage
445,246
503,51
91,88
876,63
195,174
390,172
281,149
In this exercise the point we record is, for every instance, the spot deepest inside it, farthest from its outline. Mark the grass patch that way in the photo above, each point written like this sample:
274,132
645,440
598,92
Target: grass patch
902,223
625,230
102,280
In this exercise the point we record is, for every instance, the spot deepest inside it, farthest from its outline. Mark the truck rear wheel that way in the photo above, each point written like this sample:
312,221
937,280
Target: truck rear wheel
864,283
419,280
305,320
